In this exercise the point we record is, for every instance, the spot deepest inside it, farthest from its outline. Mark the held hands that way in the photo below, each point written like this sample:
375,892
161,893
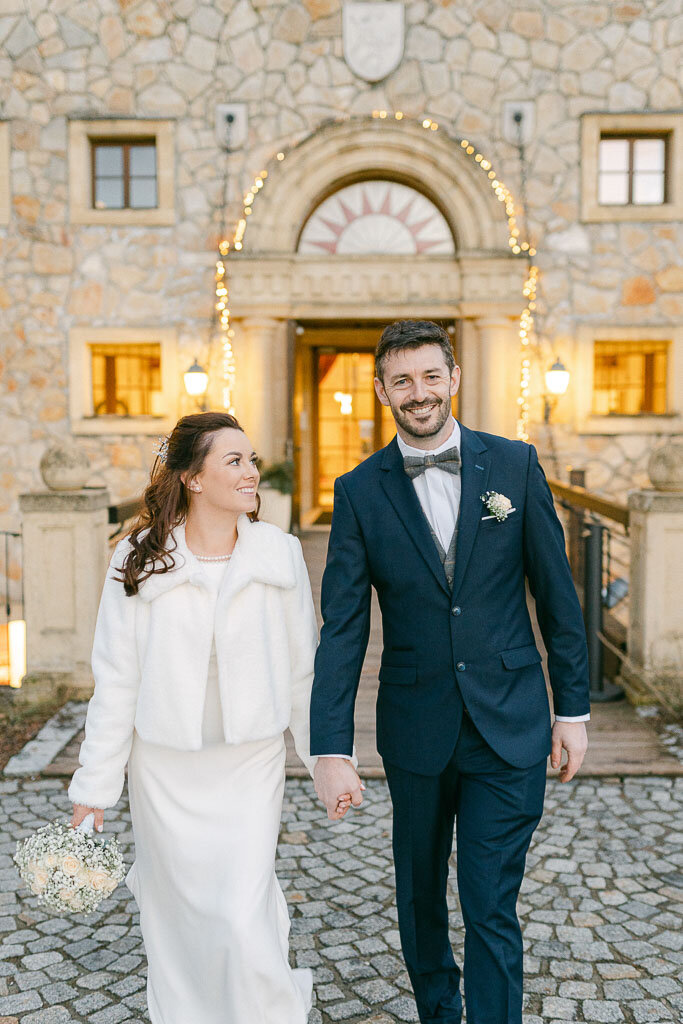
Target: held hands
573,738
81,812
338,785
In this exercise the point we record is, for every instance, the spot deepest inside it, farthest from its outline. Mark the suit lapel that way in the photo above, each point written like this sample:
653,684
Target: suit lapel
474,478
399,489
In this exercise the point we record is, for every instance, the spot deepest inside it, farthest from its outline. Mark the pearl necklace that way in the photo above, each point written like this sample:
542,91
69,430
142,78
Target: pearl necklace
213,558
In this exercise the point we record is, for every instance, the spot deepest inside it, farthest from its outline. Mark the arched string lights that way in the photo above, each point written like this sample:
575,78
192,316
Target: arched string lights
518,247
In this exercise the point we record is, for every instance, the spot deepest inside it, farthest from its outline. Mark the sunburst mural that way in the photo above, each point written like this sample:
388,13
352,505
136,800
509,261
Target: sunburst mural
377,217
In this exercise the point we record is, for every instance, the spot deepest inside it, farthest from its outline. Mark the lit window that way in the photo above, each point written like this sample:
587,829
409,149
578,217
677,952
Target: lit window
126,379
630,378
632,170
124,174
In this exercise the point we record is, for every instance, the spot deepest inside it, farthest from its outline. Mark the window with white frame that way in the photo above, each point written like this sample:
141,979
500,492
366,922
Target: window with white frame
122,380
121,171
628,379
628,167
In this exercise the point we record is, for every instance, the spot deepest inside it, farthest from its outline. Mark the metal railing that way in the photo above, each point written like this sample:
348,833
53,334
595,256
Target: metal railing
598,547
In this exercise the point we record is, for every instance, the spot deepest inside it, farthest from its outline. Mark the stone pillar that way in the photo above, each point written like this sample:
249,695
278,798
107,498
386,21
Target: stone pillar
499,367
65,560
262,391
653,671
468,358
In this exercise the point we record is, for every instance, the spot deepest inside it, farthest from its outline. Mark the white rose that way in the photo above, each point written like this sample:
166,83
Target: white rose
40,880
503,503
70,864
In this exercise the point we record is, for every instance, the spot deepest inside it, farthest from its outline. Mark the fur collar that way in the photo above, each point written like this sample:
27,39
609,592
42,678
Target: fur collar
262,554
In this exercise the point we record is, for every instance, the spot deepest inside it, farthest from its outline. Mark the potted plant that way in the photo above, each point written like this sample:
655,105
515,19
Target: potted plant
276,489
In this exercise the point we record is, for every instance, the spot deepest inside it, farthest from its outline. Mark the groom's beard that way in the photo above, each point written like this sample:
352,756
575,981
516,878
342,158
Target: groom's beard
430,426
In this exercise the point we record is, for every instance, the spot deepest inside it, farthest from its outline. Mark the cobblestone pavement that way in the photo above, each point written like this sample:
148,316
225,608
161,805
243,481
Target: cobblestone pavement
601,906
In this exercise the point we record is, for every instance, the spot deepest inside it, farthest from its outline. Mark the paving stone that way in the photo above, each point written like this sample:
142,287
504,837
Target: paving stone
19,1002
345,1011
602,1011
51,1015
625,989
650,1010
375,991
403,1008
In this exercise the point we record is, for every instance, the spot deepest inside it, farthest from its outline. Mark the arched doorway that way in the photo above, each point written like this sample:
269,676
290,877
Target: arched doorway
335,360
363,223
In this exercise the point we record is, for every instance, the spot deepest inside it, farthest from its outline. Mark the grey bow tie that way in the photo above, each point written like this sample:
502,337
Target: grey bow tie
449,461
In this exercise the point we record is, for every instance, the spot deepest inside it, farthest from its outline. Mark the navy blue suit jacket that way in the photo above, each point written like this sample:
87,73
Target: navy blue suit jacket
441,648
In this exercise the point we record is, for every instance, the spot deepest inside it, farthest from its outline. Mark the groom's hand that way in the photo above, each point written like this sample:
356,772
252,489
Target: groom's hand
335,781
572,737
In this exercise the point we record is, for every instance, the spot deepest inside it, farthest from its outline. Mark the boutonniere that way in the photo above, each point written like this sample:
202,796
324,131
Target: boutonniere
498,505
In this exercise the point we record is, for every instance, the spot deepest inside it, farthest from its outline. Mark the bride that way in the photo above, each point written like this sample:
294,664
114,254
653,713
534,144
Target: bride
203,655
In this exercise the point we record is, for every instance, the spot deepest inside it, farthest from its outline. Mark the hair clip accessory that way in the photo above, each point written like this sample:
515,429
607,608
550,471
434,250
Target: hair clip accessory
161,449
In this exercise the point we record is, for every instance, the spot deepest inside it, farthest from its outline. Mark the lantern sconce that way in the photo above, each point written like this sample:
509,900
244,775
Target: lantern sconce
196,382
556,383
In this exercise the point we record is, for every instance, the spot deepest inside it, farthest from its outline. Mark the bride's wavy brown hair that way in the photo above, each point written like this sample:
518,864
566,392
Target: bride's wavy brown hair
167,500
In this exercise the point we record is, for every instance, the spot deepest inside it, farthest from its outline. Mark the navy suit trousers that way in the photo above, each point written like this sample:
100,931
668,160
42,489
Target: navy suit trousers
495,808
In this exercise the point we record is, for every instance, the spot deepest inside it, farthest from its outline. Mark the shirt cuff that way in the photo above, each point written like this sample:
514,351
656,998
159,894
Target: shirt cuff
347,757
575,718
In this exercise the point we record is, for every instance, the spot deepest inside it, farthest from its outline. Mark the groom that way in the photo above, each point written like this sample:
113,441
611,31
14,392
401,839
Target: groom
447,524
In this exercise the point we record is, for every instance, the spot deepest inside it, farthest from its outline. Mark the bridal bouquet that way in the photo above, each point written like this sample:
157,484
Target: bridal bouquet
68,868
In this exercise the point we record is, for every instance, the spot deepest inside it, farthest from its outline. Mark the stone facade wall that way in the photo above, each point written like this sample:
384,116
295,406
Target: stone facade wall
180,58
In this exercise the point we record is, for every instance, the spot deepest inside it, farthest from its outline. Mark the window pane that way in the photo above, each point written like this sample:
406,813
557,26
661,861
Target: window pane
613,189
648,155
648,187
143,160
630,378
126,379
614,154
109,193
109,160
143,193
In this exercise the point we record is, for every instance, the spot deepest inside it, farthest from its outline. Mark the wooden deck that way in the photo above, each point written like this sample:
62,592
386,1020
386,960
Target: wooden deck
620,742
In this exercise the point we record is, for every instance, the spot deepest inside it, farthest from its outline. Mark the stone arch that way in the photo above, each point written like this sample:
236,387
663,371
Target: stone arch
340,153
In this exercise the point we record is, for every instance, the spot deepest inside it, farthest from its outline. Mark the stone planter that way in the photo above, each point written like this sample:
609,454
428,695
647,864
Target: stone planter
276,507
64,467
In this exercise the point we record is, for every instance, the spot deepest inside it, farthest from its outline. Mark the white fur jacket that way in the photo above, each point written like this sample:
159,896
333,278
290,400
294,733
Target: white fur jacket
151,655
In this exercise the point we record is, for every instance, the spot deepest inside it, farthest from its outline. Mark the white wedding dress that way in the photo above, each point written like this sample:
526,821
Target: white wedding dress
213,916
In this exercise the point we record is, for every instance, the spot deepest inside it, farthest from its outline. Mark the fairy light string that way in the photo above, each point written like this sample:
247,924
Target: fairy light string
516,244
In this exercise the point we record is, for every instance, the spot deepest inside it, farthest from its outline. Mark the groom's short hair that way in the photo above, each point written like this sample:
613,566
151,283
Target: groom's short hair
412,334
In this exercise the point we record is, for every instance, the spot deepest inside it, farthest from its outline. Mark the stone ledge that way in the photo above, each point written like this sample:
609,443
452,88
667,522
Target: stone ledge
89,499
655,501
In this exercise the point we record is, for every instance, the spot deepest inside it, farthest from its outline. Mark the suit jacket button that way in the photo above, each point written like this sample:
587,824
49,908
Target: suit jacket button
460,666
457,610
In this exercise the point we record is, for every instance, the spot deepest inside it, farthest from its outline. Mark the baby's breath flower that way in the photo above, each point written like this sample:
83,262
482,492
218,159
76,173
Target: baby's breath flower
498,505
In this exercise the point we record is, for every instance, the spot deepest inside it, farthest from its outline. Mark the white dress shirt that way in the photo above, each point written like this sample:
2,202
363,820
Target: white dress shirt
437,490
439,495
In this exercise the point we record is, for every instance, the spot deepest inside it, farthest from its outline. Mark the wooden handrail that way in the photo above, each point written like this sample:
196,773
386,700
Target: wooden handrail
582,498
120,513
